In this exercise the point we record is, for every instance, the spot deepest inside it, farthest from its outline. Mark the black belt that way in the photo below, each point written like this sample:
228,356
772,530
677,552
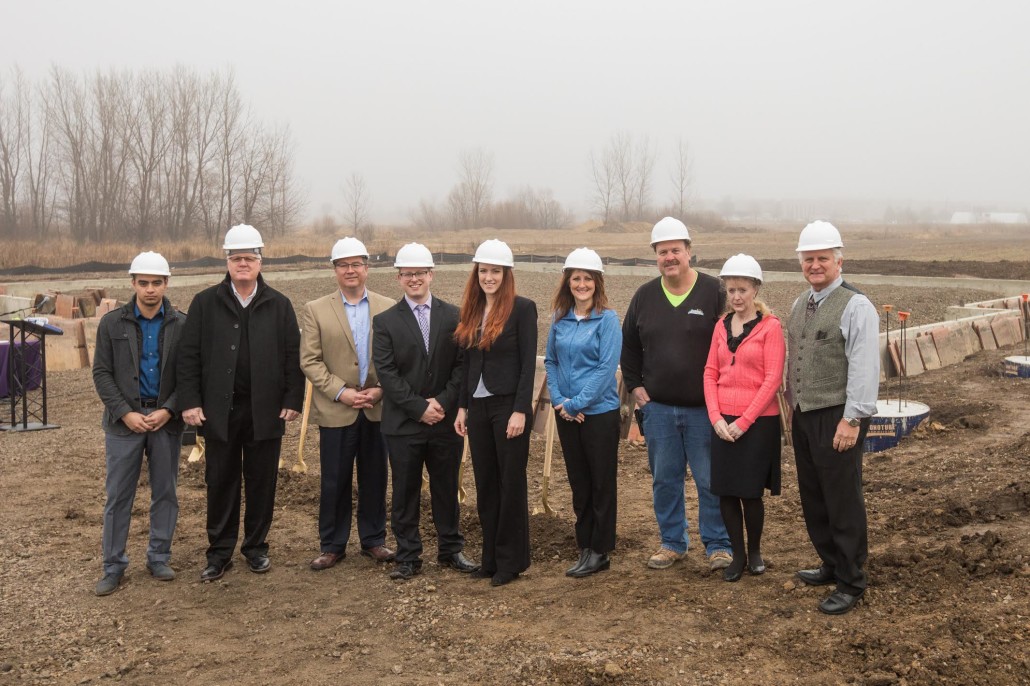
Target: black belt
148,403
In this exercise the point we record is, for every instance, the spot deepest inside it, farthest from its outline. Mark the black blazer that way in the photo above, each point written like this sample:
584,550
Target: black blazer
408,374
508,367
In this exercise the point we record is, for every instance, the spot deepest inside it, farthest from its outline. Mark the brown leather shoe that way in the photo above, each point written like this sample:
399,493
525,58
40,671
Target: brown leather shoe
326,560
379,553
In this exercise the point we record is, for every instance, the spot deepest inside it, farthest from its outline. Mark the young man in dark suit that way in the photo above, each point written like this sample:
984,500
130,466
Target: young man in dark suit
419,366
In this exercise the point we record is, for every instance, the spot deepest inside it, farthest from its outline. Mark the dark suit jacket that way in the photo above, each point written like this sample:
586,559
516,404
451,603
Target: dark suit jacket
408,374
508,366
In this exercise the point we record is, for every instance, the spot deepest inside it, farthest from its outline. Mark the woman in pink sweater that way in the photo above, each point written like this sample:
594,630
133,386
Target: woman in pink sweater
743,373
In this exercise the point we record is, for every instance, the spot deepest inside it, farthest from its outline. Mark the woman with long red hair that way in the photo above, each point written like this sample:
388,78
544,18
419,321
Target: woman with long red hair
497,330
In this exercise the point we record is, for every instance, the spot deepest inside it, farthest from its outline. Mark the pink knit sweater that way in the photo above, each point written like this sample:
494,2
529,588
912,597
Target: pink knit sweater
744,384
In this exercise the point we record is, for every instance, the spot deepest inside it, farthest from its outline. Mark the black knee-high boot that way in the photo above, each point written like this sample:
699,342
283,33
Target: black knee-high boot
732,517
754,521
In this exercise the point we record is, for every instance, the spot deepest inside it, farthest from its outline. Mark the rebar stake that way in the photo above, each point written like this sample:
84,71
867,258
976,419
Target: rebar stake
903,316
887,317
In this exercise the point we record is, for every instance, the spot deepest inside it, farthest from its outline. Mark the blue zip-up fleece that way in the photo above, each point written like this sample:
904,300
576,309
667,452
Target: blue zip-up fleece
581,360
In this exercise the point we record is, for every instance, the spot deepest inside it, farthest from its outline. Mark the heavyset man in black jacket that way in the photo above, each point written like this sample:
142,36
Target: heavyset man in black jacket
240,380
665,340
134,374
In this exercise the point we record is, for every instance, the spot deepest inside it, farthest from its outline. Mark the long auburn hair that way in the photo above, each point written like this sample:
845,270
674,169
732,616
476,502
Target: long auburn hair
473,304
564,301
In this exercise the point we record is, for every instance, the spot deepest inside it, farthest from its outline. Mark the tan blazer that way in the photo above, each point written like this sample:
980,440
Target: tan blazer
330,359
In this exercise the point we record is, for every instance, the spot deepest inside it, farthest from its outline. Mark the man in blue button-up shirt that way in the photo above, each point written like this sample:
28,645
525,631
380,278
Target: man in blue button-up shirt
134,373
336,357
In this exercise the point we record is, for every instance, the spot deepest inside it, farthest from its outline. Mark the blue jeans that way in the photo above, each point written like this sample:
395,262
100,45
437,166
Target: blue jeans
675,437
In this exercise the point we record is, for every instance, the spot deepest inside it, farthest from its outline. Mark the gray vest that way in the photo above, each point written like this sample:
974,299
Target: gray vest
817,367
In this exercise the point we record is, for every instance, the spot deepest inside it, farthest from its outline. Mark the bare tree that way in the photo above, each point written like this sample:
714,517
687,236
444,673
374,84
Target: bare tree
427,217
13,130
645,159
42,186
548,213
147,123
469,200
602,178
621,147
681,175
358,200
621,176
139,156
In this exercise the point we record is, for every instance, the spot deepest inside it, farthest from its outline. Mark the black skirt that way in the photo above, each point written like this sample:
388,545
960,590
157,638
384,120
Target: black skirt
750,465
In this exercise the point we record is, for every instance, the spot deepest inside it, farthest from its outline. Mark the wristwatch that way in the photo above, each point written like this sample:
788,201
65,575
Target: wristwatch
852,421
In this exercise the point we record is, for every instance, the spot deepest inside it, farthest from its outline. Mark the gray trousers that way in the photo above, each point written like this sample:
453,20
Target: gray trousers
124,461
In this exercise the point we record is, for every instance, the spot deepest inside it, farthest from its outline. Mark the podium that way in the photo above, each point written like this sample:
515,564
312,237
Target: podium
24,389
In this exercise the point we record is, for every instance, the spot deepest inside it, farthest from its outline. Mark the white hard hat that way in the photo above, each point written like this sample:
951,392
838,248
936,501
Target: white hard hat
150,263
243,237
493,251
414,255
669,229
348,247
742,265
819,235
584,258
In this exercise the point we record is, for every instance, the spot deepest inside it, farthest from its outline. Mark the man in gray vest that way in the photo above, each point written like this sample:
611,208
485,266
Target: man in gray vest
833,372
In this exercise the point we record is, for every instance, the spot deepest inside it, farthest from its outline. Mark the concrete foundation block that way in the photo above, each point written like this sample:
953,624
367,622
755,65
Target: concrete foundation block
986,334
928,351
948,348
1007,331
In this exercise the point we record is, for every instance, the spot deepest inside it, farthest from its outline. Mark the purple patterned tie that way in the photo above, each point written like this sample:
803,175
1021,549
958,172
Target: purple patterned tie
422,312
810,310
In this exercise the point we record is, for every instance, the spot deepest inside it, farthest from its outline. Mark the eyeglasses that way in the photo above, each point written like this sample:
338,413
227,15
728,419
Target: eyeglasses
244,259
346,266
407,276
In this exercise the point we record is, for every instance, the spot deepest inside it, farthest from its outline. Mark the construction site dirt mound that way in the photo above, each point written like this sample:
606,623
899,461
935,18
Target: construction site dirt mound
949,569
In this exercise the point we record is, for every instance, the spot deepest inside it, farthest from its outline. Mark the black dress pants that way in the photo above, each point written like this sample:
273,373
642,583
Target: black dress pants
440,452
591,452
830,486
502,497
340,447
226,464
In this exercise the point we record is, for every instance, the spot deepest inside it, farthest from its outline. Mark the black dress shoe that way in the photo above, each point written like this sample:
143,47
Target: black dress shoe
817,577
839,602
583,555
503,578
595,562
214,572
482,574
406,570
259,564
755,564
459,562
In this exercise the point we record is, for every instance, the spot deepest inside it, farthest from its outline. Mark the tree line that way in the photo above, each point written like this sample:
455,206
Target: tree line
138,156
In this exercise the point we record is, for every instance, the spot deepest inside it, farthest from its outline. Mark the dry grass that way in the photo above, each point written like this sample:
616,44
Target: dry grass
920,242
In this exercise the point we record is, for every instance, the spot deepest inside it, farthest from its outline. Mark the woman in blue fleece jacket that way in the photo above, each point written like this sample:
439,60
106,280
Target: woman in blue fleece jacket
583,349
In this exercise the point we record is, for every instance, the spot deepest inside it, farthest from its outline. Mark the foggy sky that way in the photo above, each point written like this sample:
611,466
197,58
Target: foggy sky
913,101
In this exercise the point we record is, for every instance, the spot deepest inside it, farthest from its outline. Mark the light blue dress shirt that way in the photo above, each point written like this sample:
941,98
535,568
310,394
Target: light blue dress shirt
360,321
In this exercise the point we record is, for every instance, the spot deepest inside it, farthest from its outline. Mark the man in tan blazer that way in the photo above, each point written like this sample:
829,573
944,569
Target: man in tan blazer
336,356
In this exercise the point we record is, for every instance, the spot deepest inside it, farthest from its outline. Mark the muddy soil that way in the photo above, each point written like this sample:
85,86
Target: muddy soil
949,596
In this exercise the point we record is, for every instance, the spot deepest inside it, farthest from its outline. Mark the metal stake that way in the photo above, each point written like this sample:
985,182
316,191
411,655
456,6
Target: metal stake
1026,324
887,316
903,316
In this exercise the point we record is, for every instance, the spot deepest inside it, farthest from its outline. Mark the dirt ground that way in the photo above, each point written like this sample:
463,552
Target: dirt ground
949,566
